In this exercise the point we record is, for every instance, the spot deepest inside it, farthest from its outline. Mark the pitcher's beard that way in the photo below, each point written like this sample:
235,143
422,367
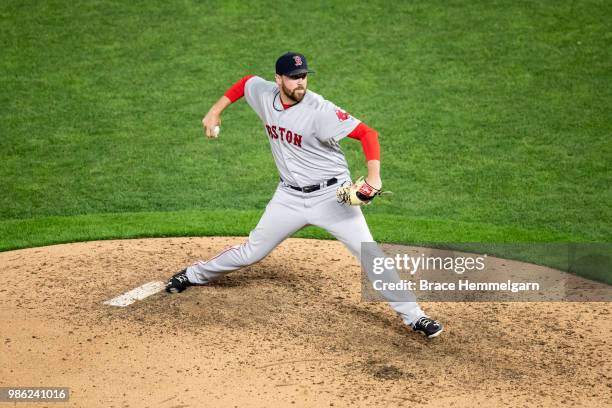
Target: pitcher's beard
295,96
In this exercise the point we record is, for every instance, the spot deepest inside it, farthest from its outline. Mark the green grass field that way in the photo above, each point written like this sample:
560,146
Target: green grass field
494,117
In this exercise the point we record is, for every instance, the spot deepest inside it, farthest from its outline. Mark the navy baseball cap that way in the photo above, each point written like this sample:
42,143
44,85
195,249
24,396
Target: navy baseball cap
291,63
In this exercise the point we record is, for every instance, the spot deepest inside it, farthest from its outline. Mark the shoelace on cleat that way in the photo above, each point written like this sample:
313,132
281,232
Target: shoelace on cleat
182,278
424,321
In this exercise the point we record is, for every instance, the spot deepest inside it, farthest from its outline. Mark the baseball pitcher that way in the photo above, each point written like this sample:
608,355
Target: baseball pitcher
315,187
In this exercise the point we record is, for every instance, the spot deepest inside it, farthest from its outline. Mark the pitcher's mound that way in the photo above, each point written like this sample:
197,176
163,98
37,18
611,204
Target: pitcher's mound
289,331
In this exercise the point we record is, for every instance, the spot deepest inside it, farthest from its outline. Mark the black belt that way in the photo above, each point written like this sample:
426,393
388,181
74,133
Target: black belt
314,187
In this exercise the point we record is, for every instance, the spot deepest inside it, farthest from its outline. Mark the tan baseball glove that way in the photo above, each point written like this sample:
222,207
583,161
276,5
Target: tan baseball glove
358,193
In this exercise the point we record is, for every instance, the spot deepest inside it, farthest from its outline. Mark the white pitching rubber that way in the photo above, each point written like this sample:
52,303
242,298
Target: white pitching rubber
140,293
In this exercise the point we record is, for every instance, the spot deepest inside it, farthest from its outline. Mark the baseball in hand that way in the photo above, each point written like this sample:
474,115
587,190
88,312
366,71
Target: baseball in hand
216,131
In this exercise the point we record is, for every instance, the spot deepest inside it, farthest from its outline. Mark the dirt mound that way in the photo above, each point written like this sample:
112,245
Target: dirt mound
289,331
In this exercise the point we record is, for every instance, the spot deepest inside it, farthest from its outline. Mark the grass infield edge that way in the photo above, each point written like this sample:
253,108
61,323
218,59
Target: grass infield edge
44,231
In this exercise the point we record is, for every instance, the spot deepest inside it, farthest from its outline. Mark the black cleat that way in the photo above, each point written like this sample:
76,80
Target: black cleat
429,327
178,282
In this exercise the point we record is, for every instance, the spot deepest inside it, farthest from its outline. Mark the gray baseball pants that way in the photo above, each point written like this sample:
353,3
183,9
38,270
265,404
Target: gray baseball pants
287,212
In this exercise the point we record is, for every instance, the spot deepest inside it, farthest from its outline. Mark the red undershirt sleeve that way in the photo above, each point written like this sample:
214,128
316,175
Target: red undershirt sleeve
369,141
236,91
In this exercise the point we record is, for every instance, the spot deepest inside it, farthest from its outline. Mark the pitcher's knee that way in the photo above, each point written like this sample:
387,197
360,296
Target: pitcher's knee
249,254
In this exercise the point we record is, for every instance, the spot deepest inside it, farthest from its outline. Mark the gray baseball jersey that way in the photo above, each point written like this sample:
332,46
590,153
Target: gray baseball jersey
304,138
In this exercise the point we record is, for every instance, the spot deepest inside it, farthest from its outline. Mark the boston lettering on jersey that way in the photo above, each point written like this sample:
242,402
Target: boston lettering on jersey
285,135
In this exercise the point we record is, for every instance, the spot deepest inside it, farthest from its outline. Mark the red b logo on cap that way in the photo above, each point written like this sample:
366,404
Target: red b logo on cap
298,60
